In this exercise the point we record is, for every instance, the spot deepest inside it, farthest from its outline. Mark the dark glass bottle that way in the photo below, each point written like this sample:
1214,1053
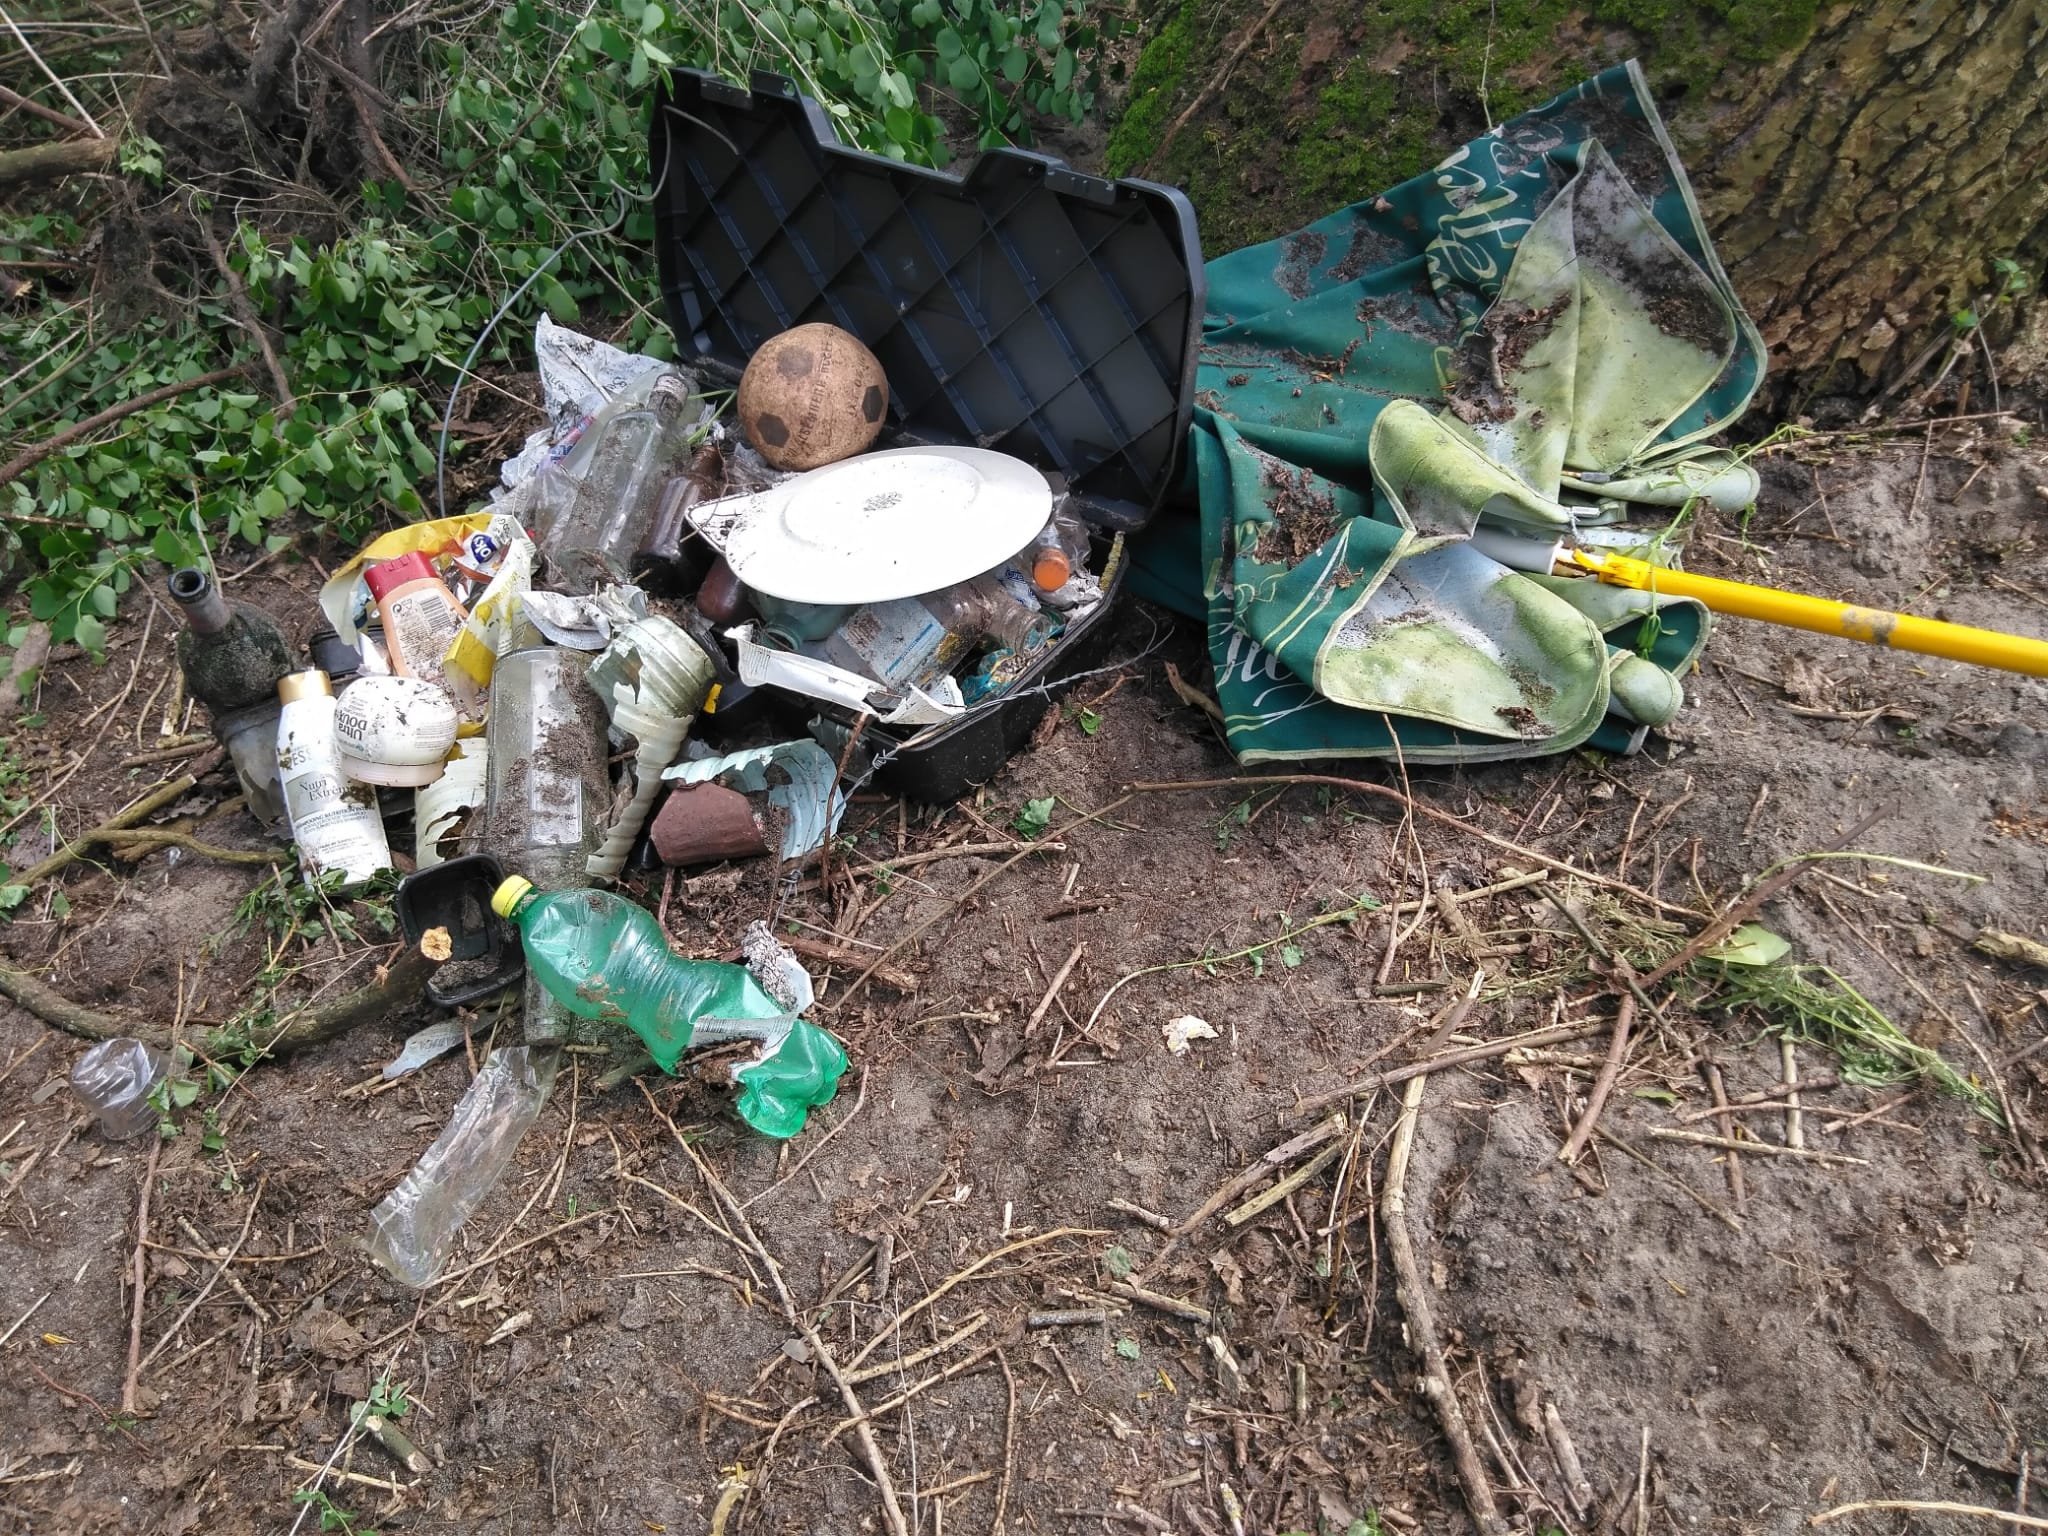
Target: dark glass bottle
232,655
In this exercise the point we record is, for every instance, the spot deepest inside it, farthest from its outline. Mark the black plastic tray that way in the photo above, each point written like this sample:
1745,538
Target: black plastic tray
1022,306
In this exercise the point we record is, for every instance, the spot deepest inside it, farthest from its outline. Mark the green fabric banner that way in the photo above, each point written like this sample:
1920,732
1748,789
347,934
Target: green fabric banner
1402,408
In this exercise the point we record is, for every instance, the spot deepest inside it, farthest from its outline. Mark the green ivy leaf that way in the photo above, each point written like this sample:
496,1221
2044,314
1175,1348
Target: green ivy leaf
1015,63
1034,818
91,636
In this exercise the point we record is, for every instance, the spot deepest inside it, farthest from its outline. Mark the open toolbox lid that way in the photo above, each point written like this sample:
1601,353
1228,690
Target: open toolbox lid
1023,307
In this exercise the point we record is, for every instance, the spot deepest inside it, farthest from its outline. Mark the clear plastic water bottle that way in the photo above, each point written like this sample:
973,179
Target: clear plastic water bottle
602,957
115,1079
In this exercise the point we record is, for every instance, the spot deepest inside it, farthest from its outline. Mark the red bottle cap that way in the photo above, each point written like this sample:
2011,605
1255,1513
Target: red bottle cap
386,574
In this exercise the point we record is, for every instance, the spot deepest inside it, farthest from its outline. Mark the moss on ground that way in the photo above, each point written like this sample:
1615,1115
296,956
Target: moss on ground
1336,101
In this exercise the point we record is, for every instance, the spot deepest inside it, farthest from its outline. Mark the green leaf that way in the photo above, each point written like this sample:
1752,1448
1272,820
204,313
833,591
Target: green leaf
948,44
91,636
1751,944
1015,63
963,73
1290,956
12,896
1117,1260
1063,70
1034,818
1128,1348
1089,721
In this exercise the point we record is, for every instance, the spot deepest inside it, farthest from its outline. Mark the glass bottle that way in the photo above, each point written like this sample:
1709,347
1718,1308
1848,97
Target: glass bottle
232,657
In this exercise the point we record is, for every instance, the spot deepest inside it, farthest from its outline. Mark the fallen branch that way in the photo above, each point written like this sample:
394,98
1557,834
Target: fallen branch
36,109
398,986
1408,1285
1215,84
1266,1199
831,954
1465,1055
29,458
1173,1306
139,1273
1769,1149
245,314
1617,1049
1925,1507
50,162
150,803
170,837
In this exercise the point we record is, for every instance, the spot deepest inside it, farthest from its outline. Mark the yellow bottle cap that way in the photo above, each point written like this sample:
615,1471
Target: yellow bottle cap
509,894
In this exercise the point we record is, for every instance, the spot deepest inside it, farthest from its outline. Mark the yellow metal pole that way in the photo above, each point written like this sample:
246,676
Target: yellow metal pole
1873,626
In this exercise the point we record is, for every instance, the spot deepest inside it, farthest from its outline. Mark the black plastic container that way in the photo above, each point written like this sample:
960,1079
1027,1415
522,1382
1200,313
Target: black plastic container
1022,307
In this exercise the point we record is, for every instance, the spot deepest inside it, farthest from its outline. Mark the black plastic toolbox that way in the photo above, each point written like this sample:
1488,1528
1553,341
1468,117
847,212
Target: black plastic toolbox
1022,306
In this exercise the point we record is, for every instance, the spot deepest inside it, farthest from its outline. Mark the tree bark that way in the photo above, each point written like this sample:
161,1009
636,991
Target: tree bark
1857,190
47,162
1859,164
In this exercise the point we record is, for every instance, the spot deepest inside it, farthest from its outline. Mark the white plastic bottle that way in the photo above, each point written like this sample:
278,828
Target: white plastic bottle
334,820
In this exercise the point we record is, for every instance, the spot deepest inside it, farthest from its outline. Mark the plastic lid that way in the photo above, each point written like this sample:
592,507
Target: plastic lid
395,572
1050,569
311,684
506,898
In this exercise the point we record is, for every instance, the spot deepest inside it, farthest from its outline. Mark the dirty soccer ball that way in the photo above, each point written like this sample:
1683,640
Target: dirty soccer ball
812,396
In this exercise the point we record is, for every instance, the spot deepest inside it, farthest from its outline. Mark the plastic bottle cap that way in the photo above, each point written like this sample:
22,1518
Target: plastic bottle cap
1051,569
506,898
396,572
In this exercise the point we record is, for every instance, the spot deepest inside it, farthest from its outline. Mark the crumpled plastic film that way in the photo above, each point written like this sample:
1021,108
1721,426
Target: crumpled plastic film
414,1227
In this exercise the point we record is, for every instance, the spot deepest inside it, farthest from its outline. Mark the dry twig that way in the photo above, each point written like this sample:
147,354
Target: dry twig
1408,1282
139,1271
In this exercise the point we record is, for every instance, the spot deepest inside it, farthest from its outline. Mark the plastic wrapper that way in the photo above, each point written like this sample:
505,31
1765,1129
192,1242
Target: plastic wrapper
345,596
114,1079
413,1229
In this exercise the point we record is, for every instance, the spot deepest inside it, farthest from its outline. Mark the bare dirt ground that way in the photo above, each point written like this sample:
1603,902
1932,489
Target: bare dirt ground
608,1352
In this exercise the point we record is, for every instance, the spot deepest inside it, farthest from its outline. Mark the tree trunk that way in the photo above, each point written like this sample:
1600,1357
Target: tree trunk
1857,190
1860,165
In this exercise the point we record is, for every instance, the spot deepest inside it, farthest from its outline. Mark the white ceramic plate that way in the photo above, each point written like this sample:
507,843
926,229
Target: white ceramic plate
883,525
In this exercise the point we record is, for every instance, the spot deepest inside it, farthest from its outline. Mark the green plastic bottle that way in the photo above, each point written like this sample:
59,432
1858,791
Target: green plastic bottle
602,957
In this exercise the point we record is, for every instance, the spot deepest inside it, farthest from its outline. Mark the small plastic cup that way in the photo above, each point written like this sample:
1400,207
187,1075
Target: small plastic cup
115,1077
